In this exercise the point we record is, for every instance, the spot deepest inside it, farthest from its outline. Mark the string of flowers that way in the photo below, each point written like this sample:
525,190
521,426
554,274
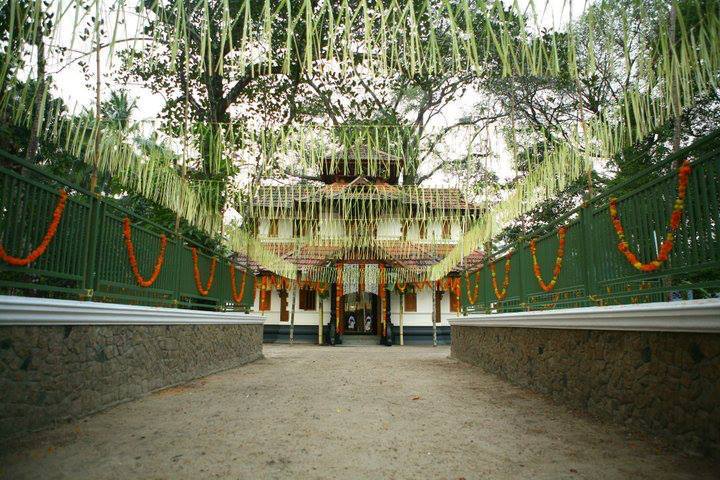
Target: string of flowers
196,274
321,288
472,297
49,235
338,299
548,287
667,243
237,297
506,281
133,260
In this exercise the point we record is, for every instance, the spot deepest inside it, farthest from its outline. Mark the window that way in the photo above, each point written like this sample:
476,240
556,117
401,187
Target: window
265,296
422,229
302,228
307,299
454,302
273,228
446,229
410,302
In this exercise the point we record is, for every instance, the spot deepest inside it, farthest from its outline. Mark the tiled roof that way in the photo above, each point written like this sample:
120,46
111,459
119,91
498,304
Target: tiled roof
394,252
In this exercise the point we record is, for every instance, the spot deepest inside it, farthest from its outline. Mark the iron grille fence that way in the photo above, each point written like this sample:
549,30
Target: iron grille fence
594,271
88,258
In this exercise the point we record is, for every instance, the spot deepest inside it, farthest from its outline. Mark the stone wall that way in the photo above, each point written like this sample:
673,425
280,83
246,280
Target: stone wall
666,383
54,373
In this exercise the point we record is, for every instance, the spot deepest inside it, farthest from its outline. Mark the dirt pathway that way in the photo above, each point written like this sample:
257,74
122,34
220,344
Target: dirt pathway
344,412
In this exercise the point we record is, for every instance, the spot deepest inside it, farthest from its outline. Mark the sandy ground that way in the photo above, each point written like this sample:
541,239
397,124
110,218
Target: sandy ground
345,412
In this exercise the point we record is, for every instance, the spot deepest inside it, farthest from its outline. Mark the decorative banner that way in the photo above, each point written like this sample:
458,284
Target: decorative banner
351,278
372,278
668,73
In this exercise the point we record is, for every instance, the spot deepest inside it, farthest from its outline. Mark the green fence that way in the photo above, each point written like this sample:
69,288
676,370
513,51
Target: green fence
594,271
88,256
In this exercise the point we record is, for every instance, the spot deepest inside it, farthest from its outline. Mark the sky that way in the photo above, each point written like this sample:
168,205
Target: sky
76,90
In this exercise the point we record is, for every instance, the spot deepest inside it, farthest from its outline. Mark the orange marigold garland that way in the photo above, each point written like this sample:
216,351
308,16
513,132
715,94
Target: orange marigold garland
49,235
506,281
133,260
472,297
204,290
548,287
321,288
667,244
237,297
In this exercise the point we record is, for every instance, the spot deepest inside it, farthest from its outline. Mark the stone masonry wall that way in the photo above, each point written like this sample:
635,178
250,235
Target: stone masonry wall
54,373
667,384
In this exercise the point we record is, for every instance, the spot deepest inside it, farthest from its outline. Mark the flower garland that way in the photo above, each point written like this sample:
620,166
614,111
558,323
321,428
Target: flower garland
450,284
339,328
237,297
49,235
667,244
196,274
548,287
506,281
472,297
321,288
133,260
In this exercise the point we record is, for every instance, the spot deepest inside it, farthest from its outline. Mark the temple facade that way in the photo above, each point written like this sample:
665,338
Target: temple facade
356,294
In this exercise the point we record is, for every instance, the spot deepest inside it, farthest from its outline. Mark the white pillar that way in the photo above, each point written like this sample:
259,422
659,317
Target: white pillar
402,311
320,324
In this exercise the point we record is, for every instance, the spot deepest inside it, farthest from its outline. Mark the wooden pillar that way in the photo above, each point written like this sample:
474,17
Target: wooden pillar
383,330
338,299
388,316
333,315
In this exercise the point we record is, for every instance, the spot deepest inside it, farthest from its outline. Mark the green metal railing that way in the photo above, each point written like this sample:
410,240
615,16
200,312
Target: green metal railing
88,258
594,271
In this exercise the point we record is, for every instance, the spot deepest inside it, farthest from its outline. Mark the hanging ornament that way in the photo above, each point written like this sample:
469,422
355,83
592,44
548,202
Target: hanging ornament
49,235
667,244
133,260
548,287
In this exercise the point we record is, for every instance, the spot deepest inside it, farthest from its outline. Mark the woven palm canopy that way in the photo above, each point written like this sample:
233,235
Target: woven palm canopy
219,175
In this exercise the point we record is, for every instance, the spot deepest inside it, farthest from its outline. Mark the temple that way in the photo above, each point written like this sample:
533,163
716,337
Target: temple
359,296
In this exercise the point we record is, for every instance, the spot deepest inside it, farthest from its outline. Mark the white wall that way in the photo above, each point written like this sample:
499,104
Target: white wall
285,229
423,316
303,317
334,227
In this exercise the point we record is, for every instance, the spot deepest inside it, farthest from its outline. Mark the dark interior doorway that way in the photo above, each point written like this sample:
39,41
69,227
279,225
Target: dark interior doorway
360,313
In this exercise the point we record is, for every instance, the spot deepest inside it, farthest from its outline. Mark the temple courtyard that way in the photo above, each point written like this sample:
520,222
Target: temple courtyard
346,412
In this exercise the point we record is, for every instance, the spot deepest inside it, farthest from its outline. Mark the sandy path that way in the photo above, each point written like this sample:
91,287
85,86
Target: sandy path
345,412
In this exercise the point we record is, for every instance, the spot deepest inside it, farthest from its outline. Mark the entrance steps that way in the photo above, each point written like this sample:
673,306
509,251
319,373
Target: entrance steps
352,340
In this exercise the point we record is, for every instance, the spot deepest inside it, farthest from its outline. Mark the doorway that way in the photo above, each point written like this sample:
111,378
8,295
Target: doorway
360,312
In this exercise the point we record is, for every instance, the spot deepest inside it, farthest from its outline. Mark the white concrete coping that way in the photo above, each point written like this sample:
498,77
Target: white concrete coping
681,316
48,311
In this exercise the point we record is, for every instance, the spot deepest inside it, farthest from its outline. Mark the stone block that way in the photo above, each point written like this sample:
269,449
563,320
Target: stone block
50,373
667,383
